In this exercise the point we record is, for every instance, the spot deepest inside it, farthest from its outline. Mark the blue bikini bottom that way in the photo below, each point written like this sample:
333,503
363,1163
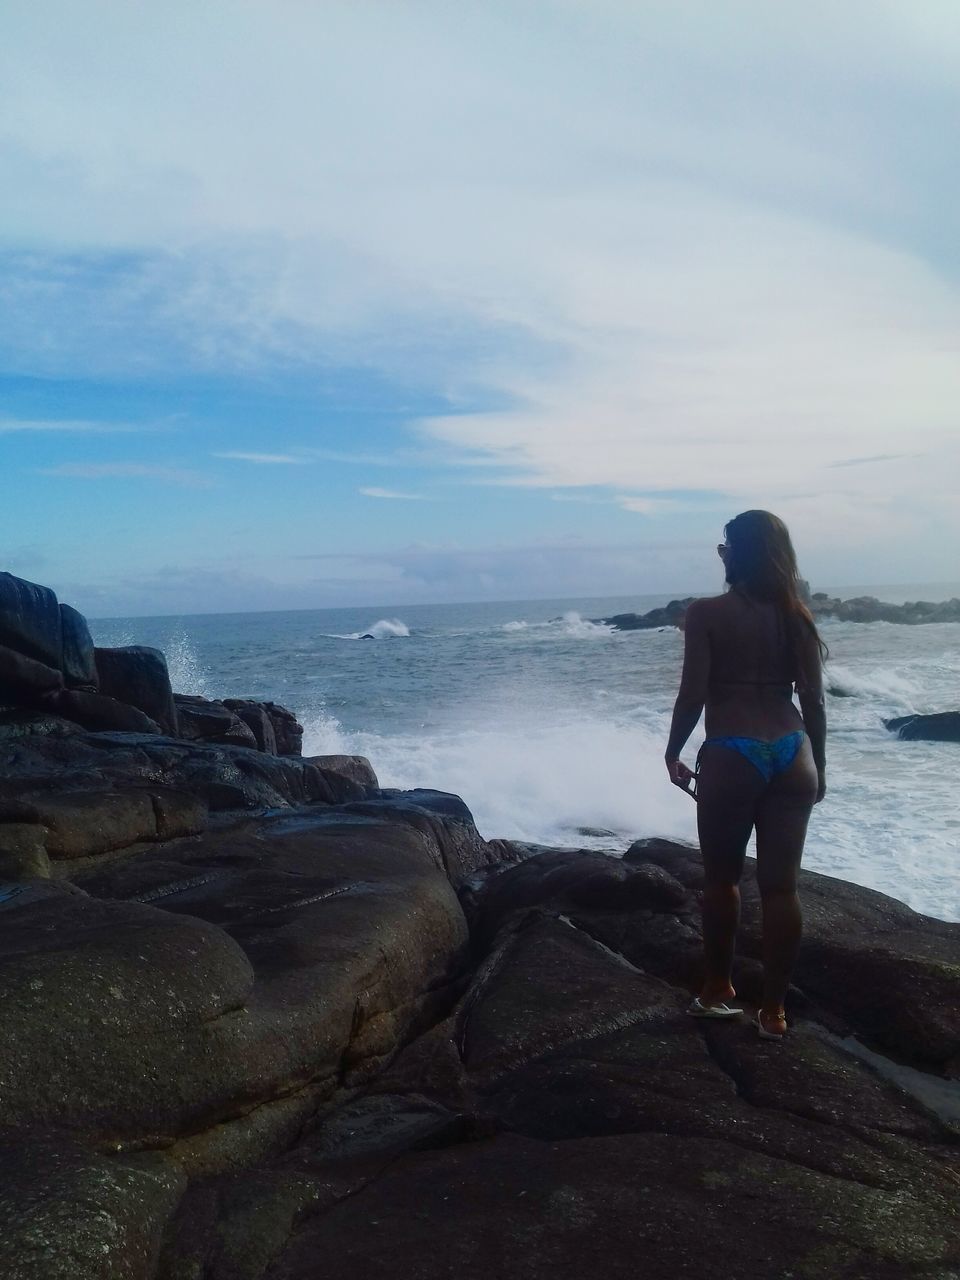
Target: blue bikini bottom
769,758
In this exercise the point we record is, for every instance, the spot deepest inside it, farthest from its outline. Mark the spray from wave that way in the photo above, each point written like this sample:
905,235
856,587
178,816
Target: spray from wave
527,777
879,685
187,672
578,628
571,626
383,629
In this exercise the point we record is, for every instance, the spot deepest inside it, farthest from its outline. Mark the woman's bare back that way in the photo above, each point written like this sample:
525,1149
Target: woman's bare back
754,665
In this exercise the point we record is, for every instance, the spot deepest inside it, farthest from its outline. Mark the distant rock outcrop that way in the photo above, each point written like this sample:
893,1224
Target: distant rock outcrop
859,609
671,615
869,609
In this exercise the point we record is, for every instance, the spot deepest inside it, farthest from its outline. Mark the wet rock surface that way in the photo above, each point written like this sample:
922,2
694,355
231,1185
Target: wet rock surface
288,1050
568,1118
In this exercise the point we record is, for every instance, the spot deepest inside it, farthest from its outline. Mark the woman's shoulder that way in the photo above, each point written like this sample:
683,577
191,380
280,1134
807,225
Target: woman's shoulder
705,606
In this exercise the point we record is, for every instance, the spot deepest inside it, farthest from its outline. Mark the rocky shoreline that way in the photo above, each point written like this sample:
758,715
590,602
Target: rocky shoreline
858,609
261,1019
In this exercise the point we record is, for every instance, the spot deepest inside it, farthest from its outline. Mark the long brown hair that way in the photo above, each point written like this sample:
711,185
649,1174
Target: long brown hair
760,559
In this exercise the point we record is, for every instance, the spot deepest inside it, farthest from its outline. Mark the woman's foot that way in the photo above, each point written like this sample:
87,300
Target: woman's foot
712,1002
772,1024
716,993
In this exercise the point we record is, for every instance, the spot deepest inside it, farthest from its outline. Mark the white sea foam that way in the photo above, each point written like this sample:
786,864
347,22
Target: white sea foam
518,625
880,684
577,628
524,778
383,629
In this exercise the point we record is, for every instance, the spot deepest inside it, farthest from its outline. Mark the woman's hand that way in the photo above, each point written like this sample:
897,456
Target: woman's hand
682,777
821,785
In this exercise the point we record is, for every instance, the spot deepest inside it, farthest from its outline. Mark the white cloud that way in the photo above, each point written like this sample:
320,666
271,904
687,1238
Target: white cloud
264,459
373,492
709,246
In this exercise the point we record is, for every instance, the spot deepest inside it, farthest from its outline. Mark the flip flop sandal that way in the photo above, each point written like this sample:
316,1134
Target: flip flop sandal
770,1035
697,1009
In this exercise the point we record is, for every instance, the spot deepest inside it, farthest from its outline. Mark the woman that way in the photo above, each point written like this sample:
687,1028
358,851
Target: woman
763,763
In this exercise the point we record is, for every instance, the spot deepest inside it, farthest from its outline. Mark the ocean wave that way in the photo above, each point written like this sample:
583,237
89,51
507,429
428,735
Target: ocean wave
881,684
527,779
579,628
383,629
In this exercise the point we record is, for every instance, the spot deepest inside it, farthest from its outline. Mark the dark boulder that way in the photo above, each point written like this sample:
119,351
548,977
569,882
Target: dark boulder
23,852
223,973
357,768
287,729
671,615
649,1204
254,716
30,620
943,726
870,609
79,662
619,1121
441,818
69,1213
97,711
138,675
206,720
869,965
25,681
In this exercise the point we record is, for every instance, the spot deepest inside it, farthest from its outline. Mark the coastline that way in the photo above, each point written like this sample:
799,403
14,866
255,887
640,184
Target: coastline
285,1013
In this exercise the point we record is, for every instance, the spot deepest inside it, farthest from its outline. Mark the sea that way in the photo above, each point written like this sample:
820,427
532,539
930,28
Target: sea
552,726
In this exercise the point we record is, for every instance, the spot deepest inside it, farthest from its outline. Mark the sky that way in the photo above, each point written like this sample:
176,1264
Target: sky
397,301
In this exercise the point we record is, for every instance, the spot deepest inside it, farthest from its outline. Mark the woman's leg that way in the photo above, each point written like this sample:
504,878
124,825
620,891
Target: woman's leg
782,817
727,794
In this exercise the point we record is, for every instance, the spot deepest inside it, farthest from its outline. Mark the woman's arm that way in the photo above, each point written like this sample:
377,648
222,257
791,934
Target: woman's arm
693,691
813,704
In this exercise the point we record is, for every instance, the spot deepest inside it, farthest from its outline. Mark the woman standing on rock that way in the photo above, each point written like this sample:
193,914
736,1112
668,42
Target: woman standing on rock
763,763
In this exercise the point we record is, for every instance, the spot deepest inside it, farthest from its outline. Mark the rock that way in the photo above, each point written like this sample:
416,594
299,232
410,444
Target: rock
138,675
870,609
568,879
860,609
69,1213
869,965
357,768
25,680
443,819
97,711
30,621
310,948
943,726
616,1207
23,852
287,729
85,822
203,720
178,813
255,717
670,615
143,1003
79,664
16,723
